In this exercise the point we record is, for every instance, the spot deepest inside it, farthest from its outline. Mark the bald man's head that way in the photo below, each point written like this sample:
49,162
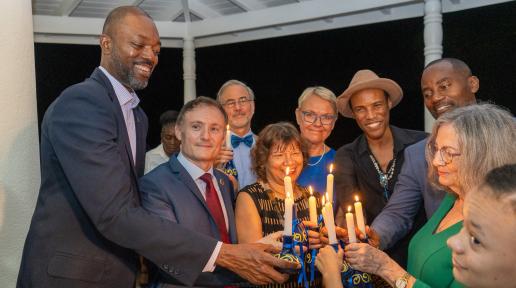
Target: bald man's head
130,46
116,16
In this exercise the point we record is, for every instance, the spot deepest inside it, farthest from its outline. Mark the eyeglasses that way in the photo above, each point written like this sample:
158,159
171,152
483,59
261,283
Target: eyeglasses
446,154
311,117
241,101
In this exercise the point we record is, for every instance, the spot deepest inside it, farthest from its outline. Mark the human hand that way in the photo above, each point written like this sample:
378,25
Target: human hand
372,237
329,264
254,262
314,239
225,155
273,239
366,258
341,233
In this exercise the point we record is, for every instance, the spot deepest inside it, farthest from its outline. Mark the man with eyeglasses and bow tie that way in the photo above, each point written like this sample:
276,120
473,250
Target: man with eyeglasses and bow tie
238,101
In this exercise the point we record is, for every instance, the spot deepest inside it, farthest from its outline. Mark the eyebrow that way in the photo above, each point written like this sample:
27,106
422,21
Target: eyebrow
443,79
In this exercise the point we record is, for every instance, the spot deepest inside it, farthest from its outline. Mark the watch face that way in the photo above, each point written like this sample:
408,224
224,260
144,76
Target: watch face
401,283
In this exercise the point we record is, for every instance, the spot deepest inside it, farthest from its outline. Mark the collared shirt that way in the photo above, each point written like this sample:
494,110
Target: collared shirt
128,101
355,174
195,172
154,158
243,164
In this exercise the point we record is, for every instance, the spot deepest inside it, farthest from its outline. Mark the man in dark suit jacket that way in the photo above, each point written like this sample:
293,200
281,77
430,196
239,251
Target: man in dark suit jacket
175,190
88,224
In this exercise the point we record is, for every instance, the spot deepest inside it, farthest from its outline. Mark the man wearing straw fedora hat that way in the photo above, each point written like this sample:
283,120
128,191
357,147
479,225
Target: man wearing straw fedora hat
368,167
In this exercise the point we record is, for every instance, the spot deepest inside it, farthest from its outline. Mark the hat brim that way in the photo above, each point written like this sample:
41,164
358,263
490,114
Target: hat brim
392,88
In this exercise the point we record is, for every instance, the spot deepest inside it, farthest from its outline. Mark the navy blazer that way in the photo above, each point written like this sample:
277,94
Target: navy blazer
88,219
170,192
398,216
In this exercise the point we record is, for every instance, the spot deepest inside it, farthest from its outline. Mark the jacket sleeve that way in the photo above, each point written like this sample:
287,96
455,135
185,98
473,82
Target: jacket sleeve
397,217
83,130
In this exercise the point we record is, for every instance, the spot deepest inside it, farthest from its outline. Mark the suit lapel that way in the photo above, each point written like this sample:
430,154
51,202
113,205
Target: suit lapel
187,180
100,77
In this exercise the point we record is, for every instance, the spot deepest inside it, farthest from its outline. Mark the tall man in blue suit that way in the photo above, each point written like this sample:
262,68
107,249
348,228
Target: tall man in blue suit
446,84
179,190
88,225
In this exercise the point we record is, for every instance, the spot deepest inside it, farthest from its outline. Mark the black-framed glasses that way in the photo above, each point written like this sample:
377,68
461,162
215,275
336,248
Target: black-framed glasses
241,101
446,153
311,117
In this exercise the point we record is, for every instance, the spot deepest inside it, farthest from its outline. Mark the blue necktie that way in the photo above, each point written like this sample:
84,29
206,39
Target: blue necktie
247,140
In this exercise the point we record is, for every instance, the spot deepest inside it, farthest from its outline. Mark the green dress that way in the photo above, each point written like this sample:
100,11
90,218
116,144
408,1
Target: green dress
429,258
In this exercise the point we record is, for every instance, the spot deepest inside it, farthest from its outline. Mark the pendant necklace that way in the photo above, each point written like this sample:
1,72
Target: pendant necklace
384,177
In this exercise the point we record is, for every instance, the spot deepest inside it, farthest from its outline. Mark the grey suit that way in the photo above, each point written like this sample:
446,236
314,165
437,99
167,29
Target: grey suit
170,192
88,220
397,217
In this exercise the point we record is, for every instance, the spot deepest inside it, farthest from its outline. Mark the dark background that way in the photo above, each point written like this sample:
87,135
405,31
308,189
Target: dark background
278,69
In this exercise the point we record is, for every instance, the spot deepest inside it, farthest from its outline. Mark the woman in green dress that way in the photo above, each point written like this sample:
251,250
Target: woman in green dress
464,146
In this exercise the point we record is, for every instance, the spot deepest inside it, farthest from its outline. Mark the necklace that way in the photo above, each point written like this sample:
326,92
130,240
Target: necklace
320,158
384,177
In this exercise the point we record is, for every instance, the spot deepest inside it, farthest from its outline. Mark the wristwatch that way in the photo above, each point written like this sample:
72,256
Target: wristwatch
402,282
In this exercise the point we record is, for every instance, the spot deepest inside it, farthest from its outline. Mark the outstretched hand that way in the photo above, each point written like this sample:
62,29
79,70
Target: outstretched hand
329,264
273,239
254,262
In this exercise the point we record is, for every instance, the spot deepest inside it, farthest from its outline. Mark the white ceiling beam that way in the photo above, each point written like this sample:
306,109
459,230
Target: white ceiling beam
66,8
202,10
56,25
249,5
286,14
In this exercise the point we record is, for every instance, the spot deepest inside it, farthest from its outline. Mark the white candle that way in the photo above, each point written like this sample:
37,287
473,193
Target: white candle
289,203
350,223
329,222
360,215
329,185
228,138
287,183
312,205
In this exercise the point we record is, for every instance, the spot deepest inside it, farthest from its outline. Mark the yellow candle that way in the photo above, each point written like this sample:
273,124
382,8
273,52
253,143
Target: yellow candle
312,205
228,138
350,223
360,215
287,226
329,185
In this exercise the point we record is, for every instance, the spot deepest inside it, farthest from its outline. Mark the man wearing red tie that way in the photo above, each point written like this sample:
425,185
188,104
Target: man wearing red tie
189,191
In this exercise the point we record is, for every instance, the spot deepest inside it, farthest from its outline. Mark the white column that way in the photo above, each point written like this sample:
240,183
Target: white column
433,42
189,68
19,153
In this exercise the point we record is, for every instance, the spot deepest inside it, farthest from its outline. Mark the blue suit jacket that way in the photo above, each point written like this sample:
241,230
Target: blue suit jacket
397,217
88,219
170,192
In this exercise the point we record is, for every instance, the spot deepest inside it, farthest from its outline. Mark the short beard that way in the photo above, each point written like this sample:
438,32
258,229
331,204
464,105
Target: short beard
127,75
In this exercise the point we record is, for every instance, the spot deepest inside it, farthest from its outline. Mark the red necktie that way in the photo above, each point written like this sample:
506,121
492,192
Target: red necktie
213,203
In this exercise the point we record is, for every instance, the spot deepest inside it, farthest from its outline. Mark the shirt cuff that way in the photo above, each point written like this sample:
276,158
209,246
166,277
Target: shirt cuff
210,265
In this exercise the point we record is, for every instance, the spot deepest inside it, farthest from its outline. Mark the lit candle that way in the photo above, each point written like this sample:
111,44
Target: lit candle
312,205
228,138
360,215
329,222
329,185
287,182
350,223
289,203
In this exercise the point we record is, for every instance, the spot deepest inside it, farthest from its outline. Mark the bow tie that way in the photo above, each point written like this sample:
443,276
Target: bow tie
247,140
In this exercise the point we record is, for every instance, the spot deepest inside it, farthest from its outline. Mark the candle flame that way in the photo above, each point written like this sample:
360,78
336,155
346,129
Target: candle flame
356,198
349,208
287,170
311,190
331,168
227,127
323,199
